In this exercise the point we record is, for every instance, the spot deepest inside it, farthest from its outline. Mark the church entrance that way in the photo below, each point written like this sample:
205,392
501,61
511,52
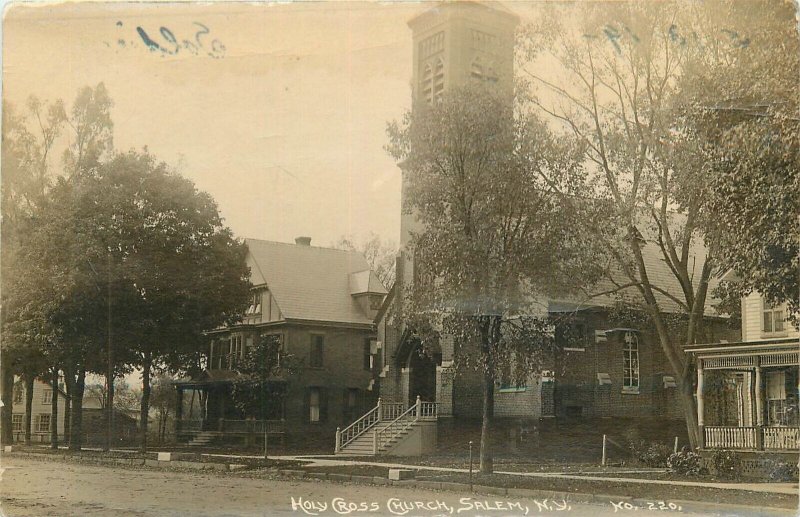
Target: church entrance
422,375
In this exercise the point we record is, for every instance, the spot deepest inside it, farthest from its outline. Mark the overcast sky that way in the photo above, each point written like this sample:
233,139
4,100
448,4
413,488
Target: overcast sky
286,129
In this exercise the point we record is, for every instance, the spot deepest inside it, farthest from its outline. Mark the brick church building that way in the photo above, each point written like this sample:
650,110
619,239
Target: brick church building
611,371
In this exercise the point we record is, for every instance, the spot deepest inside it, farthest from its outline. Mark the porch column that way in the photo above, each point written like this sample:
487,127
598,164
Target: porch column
700,404
759,406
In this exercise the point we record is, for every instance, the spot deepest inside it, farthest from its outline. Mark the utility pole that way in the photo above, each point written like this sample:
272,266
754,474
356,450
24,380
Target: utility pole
109,366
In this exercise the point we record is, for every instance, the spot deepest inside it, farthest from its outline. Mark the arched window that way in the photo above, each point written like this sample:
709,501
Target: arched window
630,362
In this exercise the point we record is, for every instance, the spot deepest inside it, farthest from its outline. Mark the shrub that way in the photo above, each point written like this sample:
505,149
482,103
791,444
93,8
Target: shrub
652,454
685,462
783,471
727,464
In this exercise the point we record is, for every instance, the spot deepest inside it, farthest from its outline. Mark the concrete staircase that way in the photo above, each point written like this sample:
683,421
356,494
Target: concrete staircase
390,429
201,439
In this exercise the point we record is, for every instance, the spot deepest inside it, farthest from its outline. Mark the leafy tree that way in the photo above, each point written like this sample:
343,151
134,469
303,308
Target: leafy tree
493,237
178,269
164,402
28,143
259,390
380,255
622,88
743,112
139,238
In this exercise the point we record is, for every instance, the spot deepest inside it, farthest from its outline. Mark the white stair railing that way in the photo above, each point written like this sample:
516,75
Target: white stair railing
404,421
359,427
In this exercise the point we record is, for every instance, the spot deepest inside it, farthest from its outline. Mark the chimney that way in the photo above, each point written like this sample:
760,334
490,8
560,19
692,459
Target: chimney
302,241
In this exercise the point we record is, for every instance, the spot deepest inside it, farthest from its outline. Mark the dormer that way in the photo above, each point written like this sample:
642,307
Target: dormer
368,291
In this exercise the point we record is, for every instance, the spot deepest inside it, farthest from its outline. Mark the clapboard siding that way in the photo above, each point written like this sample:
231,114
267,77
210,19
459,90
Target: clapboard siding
752,315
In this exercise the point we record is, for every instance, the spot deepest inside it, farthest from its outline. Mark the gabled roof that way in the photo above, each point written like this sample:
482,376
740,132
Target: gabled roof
607,291
366,282
310,282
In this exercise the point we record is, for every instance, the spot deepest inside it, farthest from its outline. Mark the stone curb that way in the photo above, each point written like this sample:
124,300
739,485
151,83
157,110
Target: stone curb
524,493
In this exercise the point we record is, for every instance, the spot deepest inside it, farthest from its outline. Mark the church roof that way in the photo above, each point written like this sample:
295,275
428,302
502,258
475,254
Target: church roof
311,282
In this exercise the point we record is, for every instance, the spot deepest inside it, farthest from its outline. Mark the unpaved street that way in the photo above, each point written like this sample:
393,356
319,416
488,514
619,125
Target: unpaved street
52,488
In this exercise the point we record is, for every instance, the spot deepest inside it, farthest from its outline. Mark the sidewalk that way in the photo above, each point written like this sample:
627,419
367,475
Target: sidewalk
322,461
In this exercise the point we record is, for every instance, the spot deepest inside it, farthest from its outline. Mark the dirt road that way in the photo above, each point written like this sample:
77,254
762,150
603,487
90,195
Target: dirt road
51,488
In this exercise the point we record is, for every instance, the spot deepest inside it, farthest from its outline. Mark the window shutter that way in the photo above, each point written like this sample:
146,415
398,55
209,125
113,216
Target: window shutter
323,404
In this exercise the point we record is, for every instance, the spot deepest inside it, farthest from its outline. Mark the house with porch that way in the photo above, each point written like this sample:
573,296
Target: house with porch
747,391
319,304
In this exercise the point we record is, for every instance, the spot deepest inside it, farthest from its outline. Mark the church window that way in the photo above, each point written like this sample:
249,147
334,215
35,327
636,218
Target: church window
630,362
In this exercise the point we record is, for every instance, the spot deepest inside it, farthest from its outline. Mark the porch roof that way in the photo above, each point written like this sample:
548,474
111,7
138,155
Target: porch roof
747,354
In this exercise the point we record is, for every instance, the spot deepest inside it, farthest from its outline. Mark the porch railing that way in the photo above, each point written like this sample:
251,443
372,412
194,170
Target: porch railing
781,438
768,438
252,426
392,410
730,437
232,426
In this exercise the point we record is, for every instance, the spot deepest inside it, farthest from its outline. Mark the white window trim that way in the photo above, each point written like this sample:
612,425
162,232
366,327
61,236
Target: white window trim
765,307
634,351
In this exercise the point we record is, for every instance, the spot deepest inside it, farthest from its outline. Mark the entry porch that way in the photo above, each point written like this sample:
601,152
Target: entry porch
747,395
206,410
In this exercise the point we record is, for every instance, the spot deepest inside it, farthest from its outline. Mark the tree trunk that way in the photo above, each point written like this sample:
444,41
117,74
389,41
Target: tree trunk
145,412
109,441
689,407
29,383
54,411
487,458
69,383
488,334
76,430
7,396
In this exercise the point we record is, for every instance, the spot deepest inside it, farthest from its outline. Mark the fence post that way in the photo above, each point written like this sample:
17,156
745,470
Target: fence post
470,465
338,439
419,406
380,410
675,448
375,442
603,460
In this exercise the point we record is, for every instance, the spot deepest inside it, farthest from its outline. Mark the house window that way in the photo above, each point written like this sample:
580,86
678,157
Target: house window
630,363
316,404
368,354
255,304
773,318
47,397
317,351
350,405
782,406
16,422
43,423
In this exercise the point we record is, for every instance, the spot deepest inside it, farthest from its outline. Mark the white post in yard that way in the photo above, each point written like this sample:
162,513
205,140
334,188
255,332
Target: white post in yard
675,448
338,446
603,460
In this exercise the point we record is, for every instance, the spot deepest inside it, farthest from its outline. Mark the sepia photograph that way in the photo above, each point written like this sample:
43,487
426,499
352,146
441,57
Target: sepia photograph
418,258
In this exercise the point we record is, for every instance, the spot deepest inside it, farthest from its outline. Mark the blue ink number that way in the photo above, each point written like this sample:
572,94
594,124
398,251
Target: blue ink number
172,46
